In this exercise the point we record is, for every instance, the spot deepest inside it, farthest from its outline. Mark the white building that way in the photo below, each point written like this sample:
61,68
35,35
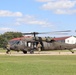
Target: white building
70,40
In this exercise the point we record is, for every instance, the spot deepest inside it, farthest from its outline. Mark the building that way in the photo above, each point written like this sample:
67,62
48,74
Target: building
71,40
68,39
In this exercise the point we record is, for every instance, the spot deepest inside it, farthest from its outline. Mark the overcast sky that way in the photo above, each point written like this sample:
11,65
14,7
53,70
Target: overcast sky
37,15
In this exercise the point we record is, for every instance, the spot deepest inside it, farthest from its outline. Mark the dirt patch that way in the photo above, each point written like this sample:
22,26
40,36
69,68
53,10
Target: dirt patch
41,53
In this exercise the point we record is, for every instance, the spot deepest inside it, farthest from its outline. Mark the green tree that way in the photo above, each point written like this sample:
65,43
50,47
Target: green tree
4,38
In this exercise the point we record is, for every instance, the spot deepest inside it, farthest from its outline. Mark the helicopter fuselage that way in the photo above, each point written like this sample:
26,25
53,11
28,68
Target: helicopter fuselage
30,45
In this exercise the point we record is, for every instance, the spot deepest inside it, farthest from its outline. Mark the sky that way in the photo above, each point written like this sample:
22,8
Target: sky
37,16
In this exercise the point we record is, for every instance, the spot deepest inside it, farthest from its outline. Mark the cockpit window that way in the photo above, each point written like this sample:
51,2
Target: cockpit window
14,42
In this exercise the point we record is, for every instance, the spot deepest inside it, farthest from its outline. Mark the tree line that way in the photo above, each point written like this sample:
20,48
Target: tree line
4,38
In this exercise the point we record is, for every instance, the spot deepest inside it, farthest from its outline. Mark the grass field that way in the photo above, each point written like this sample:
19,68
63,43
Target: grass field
38,65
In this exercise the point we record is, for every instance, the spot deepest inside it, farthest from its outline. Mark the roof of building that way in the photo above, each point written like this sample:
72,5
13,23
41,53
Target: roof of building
61,38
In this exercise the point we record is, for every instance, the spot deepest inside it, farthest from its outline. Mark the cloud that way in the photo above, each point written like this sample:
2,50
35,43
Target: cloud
5,29
6,13
24,19
2,30
44,0
59,11
59,6
31,20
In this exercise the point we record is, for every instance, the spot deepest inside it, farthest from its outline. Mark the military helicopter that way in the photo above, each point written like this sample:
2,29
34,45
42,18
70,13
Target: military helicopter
30,44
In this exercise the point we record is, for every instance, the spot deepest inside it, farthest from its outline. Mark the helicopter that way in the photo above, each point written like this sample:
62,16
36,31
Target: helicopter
30,44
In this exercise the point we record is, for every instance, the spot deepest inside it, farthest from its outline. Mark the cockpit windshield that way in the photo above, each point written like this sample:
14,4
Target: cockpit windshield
14,42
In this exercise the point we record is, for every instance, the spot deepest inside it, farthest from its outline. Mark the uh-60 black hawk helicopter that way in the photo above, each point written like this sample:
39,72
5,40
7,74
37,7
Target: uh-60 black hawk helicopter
30,44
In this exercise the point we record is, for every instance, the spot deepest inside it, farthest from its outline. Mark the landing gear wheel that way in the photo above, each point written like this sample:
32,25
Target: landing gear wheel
25,52
32,52
72,52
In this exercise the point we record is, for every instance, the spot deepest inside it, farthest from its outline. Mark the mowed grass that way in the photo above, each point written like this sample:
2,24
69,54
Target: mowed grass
38,65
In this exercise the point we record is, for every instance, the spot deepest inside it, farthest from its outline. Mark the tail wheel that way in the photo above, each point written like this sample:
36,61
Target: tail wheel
71,51
25,52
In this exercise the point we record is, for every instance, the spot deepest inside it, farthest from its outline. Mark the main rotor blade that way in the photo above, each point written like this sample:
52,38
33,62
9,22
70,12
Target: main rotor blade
55,32
60,33
35,33
64,31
